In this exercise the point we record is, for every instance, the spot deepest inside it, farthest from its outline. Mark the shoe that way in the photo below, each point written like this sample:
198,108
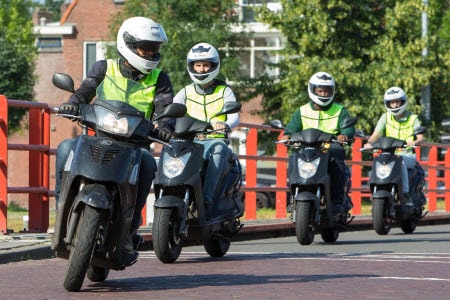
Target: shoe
130,254
407,200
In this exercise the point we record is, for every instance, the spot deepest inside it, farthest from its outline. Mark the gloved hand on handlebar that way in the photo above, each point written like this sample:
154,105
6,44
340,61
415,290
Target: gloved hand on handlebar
161,133
69,108
222,126
342,138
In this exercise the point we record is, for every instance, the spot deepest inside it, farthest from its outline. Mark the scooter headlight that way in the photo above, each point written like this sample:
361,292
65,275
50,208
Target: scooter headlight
383,170
174,166
109,122
307,169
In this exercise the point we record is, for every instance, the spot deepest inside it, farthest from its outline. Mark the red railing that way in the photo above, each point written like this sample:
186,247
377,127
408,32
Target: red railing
437,179
437,174
39,163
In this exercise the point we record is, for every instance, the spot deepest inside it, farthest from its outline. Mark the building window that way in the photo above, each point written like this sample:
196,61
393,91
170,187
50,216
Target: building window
49,44
93,51
256,59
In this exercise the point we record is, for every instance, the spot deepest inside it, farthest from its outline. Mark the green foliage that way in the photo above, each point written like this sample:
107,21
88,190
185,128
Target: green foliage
14,207
187,23
17,55
367,46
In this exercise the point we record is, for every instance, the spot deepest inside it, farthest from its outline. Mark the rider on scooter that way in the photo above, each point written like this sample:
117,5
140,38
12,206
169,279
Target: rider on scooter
204,98
399,123
323,113
139,41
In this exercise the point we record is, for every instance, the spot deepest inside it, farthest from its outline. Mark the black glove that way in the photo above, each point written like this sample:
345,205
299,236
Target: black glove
161,133
69,108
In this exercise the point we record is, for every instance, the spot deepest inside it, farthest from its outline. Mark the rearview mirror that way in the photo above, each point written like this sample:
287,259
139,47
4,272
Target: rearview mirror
276,124
173,110
63,81
349,122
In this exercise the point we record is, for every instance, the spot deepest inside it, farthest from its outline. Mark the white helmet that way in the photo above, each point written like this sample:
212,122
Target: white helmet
322,80
395,93
203,52
145,33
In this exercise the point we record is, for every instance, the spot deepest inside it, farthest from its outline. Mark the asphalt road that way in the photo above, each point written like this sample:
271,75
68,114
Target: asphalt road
360,265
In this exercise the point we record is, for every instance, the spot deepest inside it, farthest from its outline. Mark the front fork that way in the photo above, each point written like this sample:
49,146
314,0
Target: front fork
316,204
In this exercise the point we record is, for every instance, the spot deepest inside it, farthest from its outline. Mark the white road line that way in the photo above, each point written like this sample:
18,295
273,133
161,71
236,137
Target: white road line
412,278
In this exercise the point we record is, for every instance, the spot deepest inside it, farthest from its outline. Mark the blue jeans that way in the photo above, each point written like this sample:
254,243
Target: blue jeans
217,154
146,176
409,163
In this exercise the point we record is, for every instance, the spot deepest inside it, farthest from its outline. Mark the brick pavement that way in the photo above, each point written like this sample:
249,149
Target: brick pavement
24,246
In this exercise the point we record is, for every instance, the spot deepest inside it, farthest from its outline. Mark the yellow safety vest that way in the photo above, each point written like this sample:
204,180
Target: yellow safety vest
327,121
141,99
202,107
400,130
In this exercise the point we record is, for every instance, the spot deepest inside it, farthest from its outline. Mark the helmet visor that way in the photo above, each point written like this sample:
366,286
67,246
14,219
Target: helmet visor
322,90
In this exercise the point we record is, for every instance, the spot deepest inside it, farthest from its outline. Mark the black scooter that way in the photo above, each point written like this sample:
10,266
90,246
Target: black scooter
309,182
179,210
99,184
386,186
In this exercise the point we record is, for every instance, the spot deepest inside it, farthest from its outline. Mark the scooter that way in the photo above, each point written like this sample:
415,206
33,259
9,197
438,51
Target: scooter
179,210
386,186
99,184
309,182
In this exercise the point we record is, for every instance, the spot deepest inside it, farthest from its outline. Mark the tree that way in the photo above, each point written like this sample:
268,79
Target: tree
17,55
187,23
367,45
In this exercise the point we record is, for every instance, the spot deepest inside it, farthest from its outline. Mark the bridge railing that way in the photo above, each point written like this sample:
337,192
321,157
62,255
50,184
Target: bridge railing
437,168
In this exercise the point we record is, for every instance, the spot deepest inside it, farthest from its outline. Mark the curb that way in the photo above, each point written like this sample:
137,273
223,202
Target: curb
32,246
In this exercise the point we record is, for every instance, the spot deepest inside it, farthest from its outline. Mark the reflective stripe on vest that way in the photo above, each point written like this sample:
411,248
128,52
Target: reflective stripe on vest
202,107
327,121
400,130
141,99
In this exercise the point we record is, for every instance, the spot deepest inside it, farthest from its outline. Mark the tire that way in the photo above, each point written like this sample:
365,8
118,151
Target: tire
380,216
84,244
216,247
97,274
330,235
304,224
166,240
408,226
262,201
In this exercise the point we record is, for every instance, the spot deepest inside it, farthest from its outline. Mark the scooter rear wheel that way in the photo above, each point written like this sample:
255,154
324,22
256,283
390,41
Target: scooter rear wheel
97,274
217,247
408,226
329,235
167,241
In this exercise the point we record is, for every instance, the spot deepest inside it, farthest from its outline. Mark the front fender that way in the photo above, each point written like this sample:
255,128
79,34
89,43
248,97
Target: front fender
305,196
382,194
96,195
170,201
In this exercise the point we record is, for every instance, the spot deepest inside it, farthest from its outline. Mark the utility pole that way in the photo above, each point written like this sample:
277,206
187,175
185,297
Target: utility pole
426,91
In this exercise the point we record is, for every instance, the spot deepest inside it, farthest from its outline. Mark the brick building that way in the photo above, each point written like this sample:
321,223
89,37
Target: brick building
71,46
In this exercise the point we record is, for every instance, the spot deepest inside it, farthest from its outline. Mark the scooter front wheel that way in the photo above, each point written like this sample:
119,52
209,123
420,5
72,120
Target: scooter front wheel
81,252
381,220
166,239
304,222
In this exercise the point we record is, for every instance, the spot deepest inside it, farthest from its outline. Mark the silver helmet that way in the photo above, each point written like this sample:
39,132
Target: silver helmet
203,52
143,33
321,80
395,93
